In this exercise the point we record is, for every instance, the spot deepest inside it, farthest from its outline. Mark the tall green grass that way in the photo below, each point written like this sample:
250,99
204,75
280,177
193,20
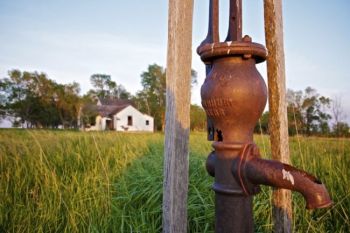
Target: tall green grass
62,181
57,181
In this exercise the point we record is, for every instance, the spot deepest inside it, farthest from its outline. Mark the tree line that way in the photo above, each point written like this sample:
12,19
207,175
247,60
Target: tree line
311,114
35,100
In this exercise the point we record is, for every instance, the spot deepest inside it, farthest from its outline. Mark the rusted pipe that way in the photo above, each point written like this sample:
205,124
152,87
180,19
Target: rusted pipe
213,25
250,171
235,21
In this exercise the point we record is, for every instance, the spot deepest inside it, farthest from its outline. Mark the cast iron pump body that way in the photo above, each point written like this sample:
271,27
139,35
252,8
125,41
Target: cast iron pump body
234,96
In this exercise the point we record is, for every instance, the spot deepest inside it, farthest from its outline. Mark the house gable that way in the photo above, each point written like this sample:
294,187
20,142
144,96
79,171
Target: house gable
131,119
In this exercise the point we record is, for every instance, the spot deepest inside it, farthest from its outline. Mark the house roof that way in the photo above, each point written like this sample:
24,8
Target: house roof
115,102
108,107
109,110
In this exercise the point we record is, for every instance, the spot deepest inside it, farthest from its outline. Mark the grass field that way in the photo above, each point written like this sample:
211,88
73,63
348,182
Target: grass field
60,181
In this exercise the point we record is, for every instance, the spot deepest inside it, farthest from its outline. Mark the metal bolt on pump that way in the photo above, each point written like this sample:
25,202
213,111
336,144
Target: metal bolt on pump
234,96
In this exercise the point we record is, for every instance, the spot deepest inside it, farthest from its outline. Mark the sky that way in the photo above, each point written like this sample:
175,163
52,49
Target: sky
71,40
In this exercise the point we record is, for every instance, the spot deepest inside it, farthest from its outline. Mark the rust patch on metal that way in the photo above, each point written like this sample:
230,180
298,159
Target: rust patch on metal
217,103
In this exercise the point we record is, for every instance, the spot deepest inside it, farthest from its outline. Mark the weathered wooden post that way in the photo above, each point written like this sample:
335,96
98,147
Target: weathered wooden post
177,126
278,124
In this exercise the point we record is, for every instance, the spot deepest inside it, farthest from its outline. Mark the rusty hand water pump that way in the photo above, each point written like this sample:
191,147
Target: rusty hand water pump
234,96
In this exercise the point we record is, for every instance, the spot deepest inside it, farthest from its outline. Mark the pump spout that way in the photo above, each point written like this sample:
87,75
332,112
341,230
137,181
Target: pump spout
251,171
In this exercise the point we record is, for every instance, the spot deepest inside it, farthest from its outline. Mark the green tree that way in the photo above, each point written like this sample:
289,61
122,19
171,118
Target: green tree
316,118
122,93
341,129
294,112
262,126
105,87
102,84
308,112
38,101
295,120
152,98
198,118
68,103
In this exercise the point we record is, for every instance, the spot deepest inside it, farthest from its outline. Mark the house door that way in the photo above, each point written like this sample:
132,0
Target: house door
109,124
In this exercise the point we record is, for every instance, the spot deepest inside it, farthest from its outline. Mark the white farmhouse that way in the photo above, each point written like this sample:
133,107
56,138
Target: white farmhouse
120,115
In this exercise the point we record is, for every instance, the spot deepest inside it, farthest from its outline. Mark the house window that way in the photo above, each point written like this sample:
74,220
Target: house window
129,120
147,122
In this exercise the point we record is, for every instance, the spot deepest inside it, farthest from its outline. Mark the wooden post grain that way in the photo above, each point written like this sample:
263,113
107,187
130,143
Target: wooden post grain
177,126
278,123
